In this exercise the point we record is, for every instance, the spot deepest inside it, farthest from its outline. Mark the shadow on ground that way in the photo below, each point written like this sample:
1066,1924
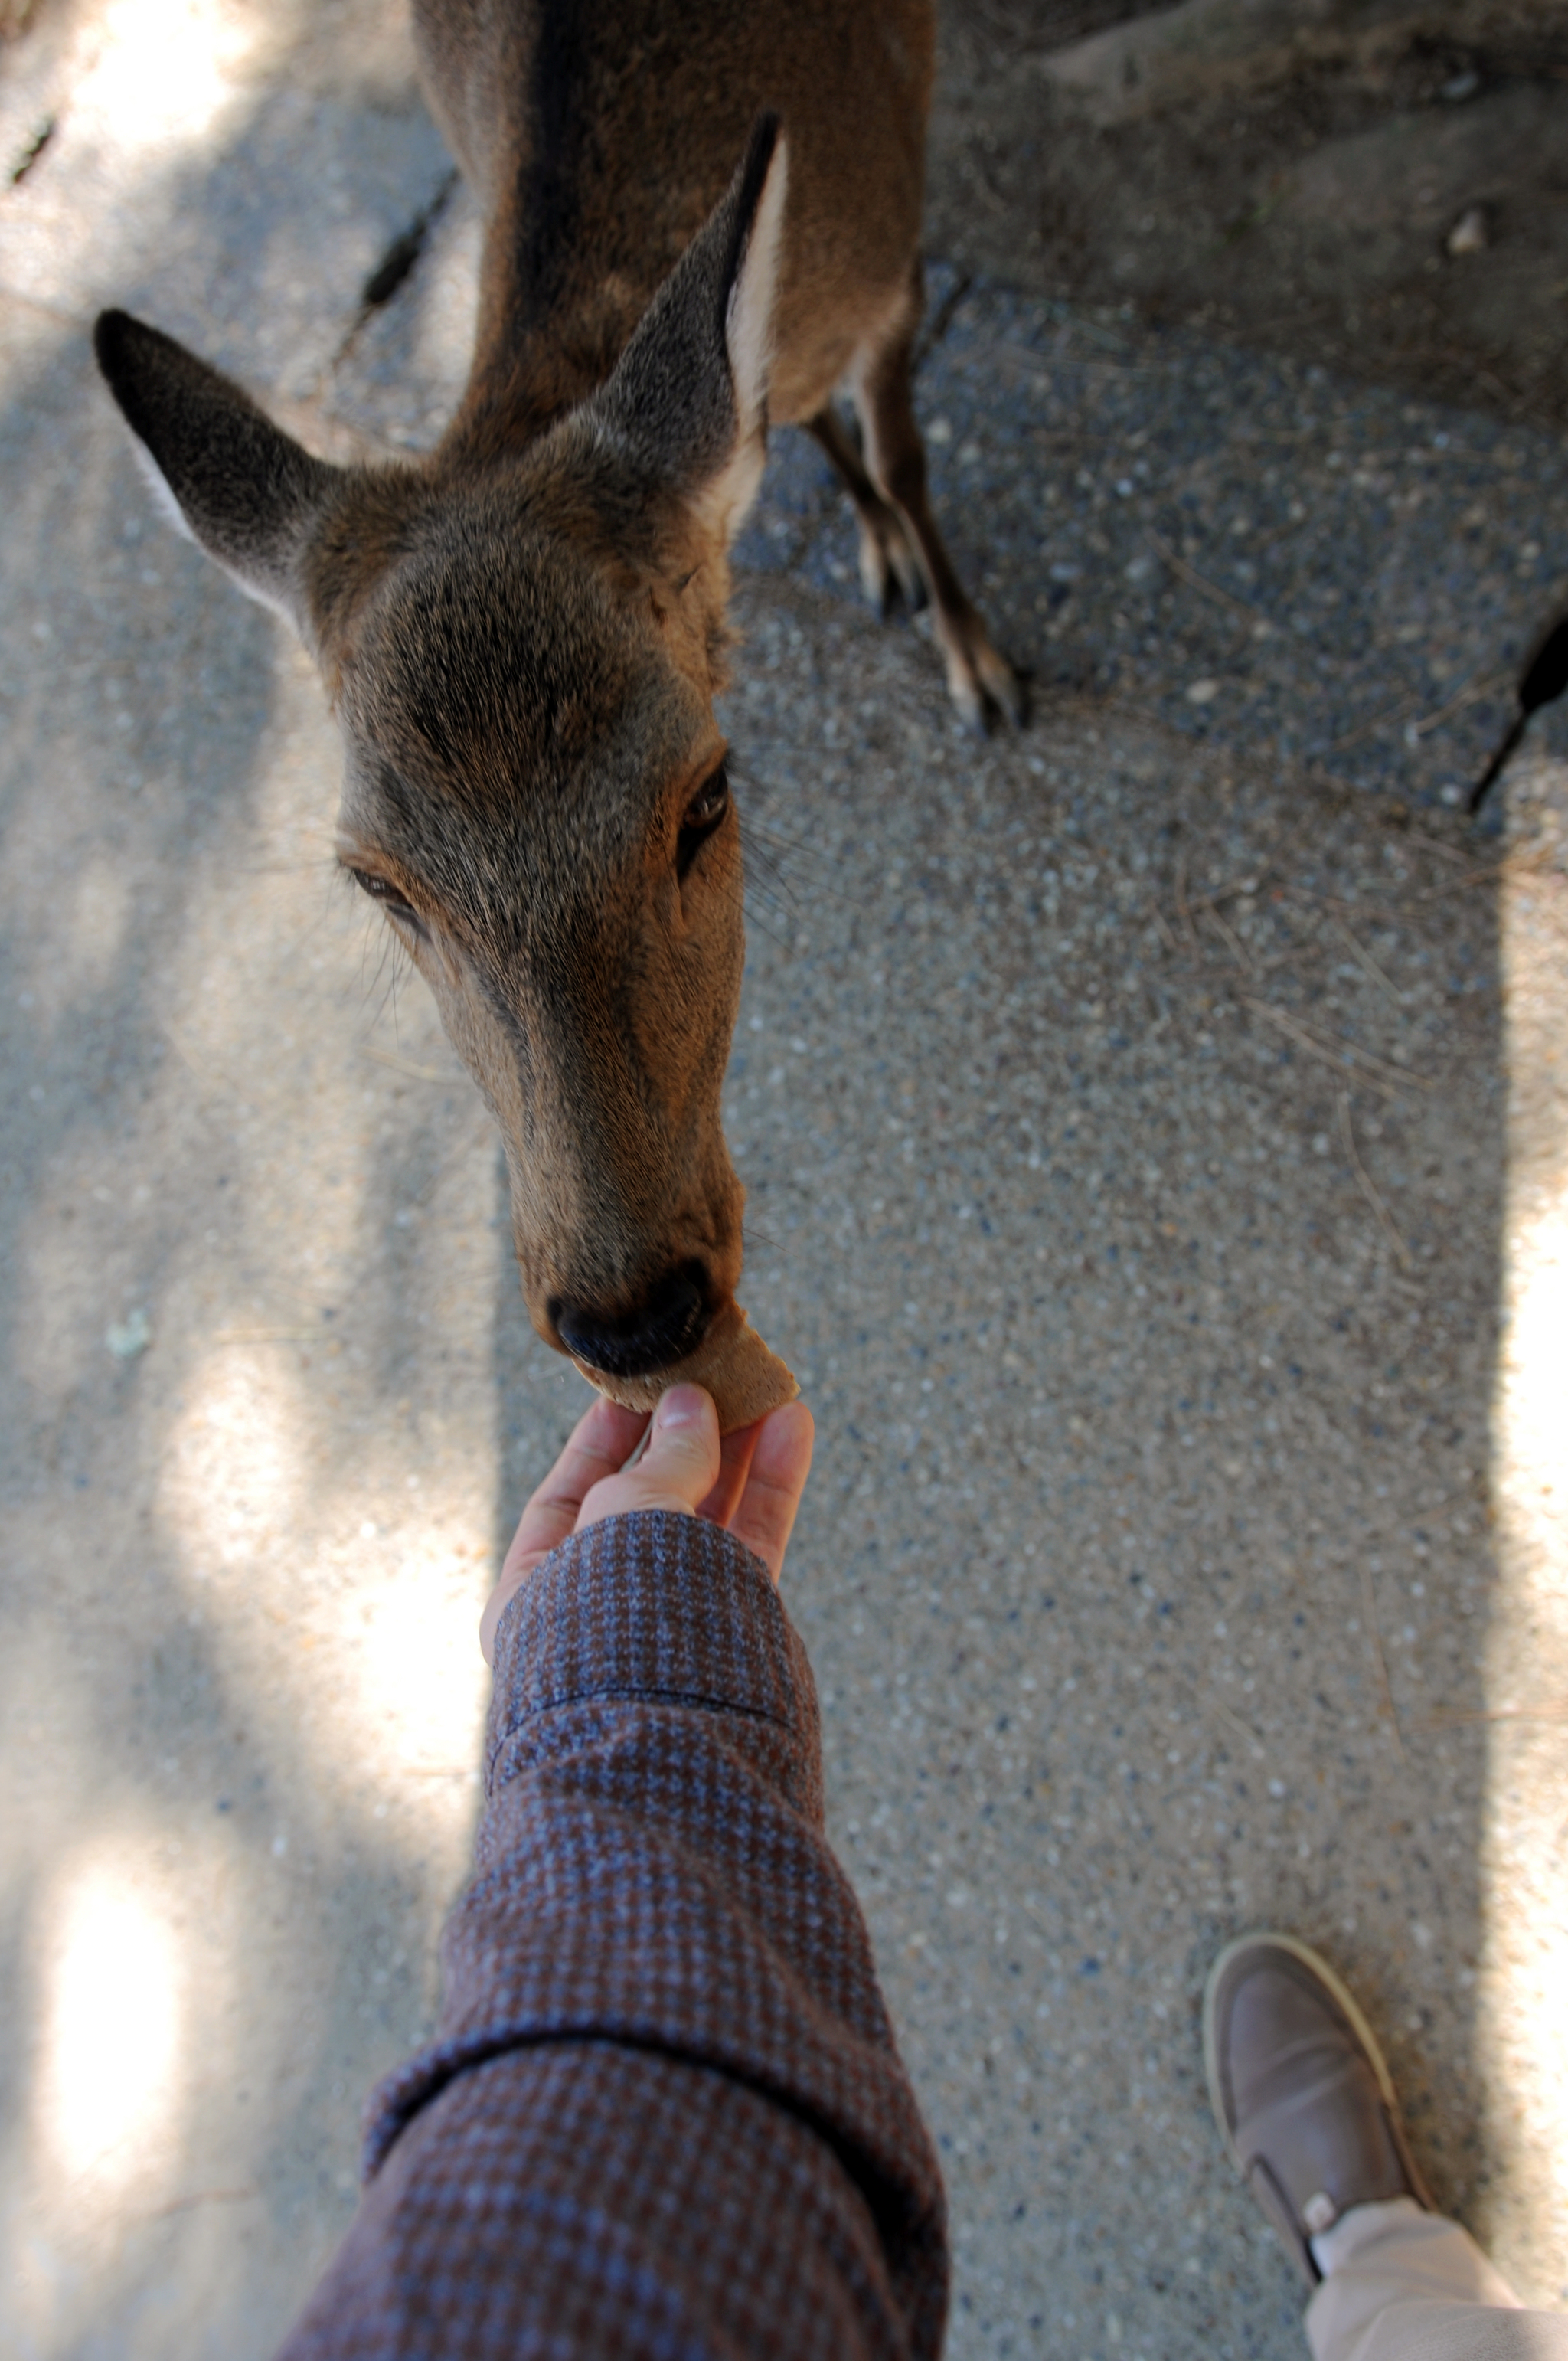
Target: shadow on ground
1377,187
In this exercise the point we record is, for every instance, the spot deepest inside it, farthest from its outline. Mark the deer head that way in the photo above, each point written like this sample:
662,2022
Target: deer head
522,645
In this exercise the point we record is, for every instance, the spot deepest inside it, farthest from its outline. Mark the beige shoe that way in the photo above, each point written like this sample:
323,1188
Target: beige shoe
1300,2091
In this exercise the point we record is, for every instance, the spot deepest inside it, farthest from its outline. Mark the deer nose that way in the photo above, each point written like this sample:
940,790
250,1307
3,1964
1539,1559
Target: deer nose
665,1326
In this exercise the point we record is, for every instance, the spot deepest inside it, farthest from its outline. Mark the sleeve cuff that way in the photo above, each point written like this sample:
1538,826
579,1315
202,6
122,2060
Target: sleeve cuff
654,1607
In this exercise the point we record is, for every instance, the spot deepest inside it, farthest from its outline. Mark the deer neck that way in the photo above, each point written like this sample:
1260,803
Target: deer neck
551,329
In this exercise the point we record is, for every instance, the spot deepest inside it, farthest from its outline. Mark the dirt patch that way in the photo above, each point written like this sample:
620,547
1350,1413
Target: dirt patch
1384,190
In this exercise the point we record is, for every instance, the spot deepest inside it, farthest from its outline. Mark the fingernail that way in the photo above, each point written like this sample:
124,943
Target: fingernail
683,1405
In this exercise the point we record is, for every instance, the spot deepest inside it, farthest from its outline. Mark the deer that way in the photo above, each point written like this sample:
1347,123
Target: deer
699,221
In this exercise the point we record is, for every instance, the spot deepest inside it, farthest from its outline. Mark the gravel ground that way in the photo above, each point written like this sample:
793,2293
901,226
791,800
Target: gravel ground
1284,177
1154,1126
1264,556
1140,1420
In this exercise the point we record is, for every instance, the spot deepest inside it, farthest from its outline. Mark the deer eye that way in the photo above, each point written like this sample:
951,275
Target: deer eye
381,890
702,816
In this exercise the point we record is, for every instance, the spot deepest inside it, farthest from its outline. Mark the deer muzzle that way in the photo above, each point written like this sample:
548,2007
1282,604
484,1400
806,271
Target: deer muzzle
666,1325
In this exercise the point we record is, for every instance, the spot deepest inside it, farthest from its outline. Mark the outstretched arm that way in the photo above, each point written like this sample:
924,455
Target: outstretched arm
663,2112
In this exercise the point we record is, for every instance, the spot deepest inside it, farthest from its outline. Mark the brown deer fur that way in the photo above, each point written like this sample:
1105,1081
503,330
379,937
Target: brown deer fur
523,635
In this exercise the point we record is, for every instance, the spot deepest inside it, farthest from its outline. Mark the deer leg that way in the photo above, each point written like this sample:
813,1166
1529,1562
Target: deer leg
981,682
889,567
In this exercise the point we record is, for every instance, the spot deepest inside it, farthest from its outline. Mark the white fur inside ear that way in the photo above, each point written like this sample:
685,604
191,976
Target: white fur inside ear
163,499
749,330
751,323
158,485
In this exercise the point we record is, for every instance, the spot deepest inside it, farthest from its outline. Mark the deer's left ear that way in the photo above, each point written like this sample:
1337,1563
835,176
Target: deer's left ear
250,493
687,403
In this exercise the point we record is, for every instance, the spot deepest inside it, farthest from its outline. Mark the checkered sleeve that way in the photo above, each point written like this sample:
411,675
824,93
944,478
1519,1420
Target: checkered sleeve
664,2114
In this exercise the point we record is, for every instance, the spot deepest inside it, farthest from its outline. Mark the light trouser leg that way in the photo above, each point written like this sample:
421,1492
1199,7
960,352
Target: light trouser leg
1404,2285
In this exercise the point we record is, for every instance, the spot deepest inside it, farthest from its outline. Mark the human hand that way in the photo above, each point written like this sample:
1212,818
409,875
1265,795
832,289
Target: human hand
750,1483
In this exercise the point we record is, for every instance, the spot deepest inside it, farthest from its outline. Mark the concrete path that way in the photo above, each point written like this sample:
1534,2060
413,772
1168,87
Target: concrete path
1378,185
1157,1136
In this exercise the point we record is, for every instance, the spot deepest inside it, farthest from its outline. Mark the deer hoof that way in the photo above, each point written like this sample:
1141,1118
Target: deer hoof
985,689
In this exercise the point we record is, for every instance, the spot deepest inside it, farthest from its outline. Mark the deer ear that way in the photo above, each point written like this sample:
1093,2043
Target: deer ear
687,402
236,483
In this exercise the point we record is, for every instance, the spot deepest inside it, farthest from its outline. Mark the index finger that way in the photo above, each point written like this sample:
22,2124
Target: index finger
735,1453
774,1482
599,1444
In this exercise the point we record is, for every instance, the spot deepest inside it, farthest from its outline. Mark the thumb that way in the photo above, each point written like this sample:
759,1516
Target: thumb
678,1468
682,1456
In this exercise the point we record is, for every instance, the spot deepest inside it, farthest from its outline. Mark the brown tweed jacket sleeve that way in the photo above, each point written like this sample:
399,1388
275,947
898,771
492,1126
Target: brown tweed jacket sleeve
664,2114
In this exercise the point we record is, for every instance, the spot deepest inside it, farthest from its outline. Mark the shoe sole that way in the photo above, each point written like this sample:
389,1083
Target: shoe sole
1343,1998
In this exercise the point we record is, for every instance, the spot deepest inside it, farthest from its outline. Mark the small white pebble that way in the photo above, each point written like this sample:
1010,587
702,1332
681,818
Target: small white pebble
1468,235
